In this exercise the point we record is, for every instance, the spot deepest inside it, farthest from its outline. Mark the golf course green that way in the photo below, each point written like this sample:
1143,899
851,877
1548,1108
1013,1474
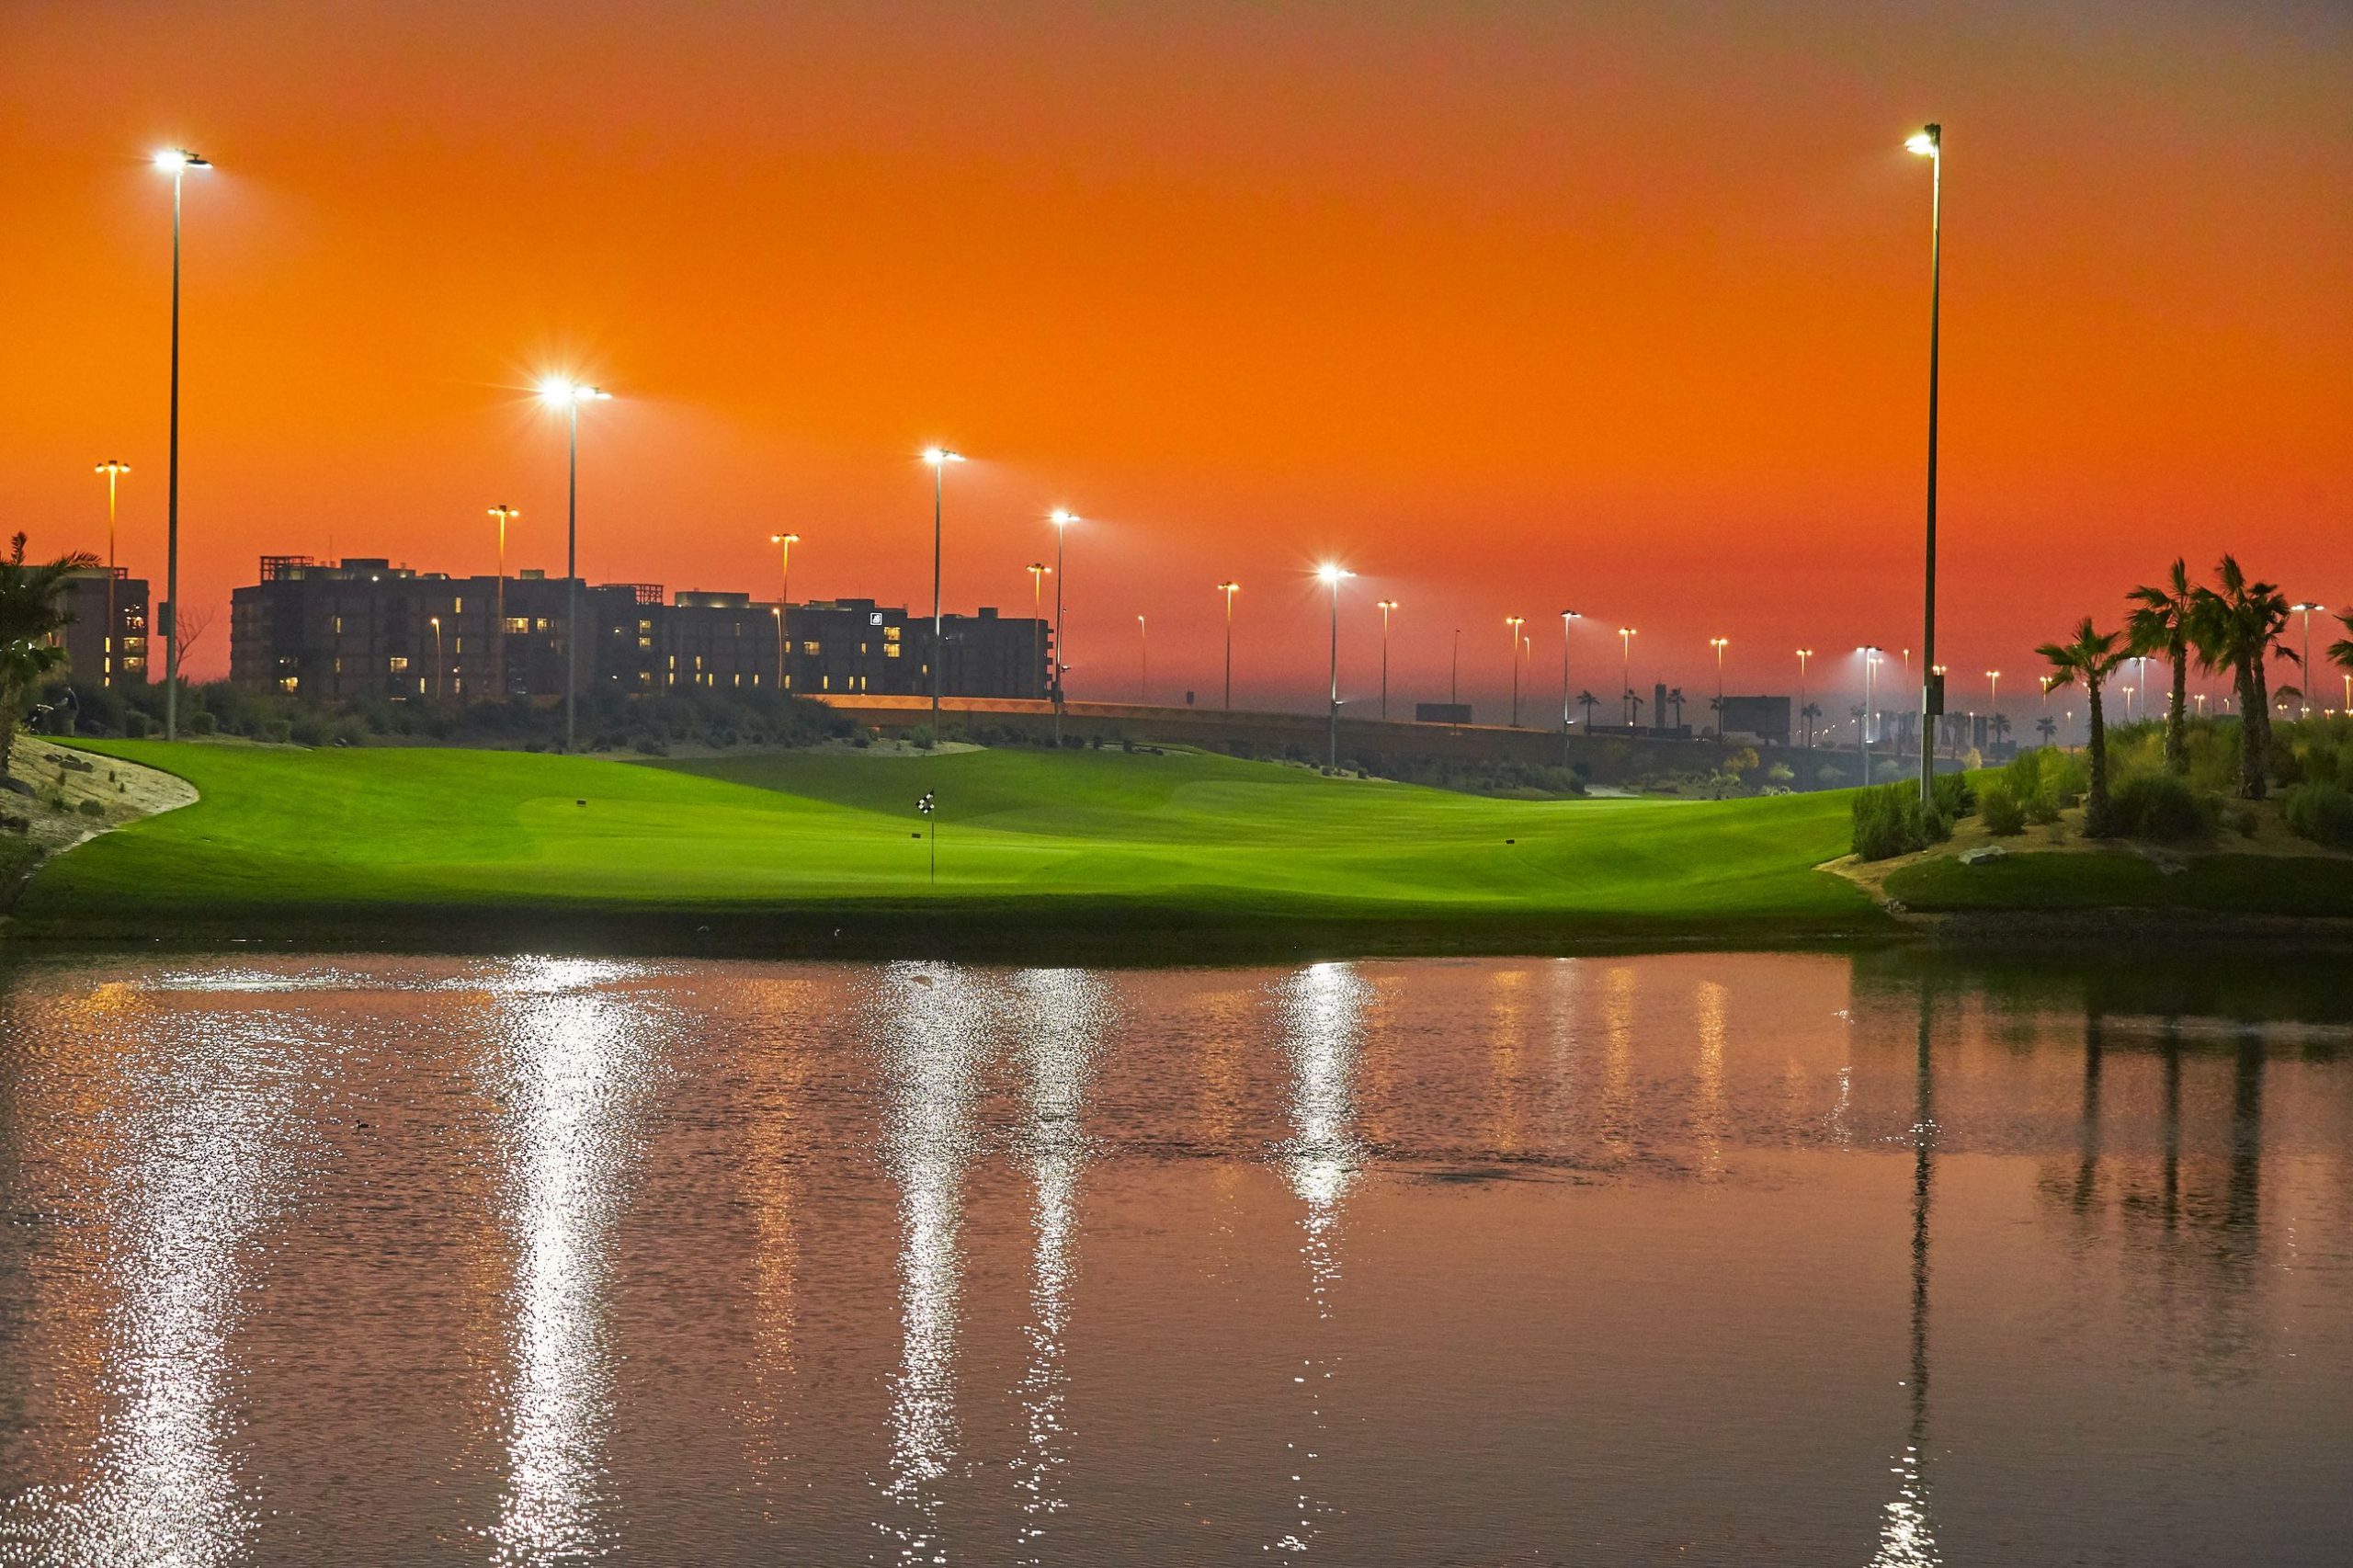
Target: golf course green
1110,856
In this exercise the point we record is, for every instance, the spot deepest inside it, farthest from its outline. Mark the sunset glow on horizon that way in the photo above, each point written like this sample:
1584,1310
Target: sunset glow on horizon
1502,307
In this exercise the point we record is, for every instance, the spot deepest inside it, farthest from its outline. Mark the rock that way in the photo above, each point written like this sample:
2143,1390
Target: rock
1982,854
19,785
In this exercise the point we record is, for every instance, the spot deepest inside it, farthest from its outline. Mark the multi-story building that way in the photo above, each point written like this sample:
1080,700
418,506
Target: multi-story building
362,629
100,650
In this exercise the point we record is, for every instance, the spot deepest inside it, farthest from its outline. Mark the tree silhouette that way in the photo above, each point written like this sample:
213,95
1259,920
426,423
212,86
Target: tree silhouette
2164,621
2091,657
1586,700
1997,726
2047,728
1675,700
32,614
1810,713
2238,626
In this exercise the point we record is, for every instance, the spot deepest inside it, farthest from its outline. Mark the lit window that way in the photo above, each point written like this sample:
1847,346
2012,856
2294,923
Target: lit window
890,634
457,607
889,649
810,648
397,662
289,683
519,623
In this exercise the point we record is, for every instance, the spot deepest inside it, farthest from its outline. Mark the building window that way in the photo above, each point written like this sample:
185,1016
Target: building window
891,651
397,662
519,623
890,634
457,607
288,683
811,648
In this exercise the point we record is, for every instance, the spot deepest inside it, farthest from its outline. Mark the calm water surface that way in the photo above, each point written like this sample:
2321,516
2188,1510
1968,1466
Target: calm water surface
1719,1259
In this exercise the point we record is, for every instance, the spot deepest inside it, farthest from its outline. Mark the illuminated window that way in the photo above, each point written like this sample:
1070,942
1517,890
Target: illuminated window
811,648
890,634
889,649
457,645
397,662
457,607
338,626
289,683
520,623
645,643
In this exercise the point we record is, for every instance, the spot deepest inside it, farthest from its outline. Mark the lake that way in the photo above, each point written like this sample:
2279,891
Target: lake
1702,1258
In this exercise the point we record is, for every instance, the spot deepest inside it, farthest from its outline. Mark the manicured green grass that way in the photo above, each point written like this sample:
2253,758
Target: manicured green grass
2229,884
1101,853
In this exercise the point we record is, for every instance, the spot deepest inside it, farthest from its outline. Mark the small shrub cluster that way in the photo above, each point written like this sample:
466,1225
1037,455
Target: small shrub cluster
2003,812
2044,782
2162,806
1891,820
2322,811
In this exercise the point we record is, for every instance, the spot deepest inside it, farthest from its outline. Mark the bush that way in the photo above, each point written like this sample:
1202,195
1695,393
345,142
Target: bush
2003,813
2322,813
137,725
2163,806
2242,819
647,745
1956,796
91,809
202,722
1890,820
278,732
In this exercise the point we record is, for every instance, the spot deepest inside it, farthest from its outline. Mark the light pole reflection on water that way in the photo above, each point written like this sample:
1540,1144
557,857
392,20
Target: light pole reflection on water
1323,1015
1907,1533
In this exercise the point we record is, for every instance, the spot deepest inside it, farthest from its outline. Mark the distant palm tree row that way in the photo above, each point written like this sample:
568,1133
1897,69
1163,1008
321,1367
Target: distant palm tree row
2232,626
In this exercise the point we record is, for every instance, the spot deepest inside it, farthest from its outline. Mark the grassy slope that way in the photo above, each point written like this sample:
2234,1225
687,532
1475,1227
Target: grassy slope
1203,852
2231,884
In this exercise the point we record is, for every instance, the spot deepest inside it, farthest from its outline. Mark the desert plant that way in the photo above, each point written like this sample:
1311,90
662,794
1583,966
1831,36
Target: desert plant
2161,622
1891,820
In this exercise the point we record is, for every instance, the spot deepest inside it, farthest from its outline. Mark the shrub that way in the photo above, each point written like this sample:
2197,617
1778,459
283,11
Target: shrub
91,809
2242,819
278,732
2322,813
647,745
2163,806
1956,796
1890,820
2002,812
202,722
137,725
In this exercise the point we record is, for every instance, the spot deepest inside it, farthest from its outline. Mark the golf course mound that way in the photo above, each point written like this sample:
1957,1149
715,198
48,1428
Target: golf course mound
1103,855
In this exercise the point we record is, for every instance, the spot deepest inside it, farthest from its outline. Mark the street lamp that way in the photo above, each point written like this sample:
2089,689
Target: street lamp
1062,522
1803,654
1568,619
1870,653
1386,606
1515,622
1144,675
175,162
435,621
2304,683
1332,576
784,543
558,392
498,613
114,469
1626,672
1038,573
1229,590
1993,690
1719,645
938,457
1928,142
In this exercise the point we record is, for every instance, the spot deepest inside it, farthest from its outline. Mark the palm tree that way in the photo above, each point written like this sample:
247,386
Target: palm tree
2238,626
1586,700
1810,713
31,615
1633,710
1675,700
2047,728
2161,622
1997,726
2091,658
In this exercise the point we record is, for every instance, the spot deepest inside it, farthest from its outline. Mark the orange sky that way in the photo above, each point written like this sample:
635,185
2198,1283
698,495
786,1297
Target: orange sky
1511,307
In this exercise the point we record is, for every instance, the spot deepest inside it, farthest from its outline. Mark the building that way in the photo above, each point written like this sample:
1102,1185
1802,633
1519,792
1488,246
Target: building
1762,720
94,654
363,630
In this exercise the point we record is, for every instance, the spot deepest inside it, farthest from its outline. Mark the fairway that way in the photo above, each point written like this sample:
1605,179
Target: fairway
1141,856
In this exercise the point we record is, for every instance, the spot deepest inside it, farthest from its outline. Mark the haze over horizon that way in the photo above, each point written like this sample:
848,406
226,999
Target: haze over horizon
1509,310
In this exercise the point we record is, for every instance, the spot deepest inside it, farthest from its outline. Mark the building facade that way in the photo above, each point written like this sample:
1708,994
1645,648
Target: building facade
363,630
102,649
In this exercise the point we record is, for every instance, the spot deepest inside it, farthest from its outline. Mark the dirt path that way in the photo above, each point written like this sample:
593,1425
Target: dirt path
75,795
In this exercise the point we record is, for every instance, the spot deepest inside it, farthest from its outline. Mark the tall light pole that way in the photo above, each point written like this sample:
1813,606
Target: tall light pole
1626,672
1229,590
1928,142
1993,690
504,515
435,622
1515,622
1454,673
1870,654
558,392
114,469
938,457
1038,573
1719,645
1803,654
1143,670
784,543
1333,575
1569,618
1062,522
2304,681
174,162
1386,606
